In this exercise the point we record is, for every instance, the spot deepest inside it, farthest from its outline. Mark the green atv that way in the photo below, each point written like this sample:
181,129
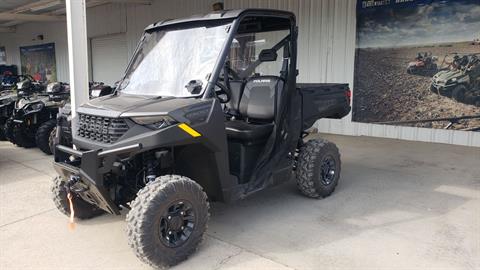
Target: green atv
461,80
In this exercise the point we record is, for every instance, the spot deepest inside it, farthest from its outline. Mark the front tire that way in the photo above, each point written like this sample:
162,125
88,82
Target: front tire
42,137
21,138
82,209
318,168
458,93
3,133
167,220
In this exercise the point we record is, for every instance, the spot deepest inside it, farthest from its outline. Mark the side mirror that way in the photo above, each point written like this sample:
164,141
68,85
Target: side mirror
194,86
268,55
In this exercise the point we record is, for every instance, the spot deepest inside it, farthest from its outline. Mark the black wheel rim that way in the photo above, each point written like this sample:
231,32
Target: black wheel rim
328,170
177,223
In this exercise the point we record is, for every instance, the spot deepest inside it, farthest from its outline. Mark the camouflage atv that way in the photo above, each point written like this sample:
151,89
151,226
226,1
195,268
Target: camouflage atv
461,81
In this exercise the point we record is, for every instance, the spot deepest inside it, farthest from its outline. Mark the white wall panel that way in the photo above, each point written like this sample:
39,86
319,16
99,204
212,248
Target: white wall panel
26,35
326,48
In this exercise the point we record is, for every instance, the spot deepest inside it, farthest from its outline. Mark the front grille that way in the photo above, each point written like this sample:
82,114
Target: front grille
101,129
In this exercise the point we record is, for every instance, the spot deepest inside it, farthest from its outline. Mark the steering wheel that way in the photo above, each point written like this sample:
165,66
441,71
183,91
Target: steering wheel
232,72
223,93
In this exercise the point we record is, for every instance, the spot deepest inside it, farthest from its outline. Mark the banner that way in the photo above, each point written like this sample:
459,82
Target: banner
39,62
417,63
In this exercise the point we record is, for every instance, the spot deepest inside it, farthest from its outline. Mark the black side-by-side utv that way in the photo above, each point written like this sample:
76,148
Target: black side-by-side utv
208,110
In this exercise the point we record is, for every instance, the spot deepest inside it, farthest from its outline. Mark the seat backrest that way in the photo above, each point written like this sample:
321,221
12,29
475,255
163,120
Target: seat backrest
259,99
236,87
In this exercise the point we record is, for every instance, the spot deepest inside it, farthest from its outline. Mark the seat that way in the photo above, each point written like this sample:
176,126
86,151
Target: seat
244,131
257,109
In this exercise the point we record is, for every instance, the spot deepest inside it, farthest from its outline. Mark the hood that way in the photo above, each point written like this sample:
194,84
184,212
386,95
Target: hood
132,105
446,75
412,64
35,99
7,98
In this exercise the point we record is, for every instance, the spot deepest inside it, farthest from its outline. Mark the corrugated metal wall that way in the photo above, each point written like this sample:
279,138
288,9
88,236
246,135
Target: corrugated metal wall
326,49
327,54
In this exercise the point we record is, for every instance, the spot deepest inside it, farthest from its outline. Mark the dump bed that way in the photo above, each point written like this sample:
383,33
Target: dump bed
323,100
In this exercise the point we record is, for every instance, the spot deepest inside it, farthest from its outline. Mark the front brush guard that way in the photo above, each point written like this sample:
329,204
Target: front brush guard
93,165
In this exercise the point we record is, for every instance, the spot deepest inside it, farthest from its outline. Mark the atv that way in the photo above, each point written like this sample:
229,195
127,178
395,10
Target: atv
461,81
34,115
64,117
7,104
8,81
424,64
207,111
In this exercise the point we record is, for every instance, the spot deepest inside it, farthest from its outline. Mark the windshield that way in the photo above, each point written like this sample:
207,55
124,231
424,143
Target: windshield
176,62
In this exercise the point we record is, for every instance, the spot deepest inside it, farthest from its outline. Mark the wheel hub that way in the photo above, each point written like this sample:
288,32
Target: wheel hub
328,170
177,223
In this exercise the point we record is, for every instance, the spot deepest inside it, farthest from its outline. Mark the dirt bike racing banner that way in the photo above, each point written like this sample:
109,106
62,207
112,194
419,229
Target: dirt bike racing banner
417,63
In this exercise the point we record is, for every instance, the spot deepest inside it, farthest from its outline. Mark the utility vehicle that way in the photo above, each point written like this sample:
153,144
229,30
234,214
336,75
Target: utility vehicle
208,110
424,63
462,81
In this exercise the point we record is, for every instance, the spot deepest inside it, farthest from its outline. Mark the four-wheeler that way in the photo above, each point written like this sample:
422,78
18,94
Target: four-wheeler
207,111
96,89
7,104
8,81
34,115
462,81
424,63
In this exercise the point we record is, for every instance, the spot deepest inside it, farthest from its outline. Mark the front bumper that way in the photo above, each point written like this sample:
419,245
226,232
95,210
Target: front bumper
90,168
442,89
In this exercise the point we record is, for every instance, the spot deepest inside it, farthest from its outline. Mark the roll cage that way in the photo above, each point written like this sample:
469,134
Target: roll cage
242,21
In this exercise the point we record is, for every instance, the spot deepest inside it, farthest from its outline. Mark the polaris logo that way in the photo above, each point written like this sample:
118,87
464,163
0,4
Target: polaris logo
261,81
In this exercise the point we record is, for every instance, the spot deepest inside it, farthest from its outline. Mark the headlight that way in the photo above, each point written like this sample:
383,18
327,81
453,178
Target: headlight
6,101
34,107
155,122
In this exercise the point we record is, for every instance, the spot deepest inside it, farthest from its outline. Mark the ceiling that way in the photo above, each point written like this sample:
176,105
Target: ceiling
15,12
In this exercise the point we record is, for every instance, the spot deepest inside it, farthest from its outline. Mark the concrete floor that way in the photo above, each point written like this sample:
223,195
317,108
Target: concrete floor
399,205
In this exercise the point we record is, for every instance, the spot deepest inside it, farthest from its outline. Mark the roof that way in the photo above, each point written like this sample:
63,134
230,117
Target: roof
15,12
221,15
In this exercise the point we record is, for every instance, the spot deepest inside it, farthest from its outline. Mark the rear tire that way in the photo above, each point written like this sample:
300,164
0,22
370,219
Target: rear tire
318,168
458,93
42,137
160,233
83,210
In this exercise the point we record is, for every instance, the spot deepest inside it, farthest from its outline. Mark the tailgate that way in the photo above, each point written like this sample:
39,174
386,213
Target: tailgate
323,100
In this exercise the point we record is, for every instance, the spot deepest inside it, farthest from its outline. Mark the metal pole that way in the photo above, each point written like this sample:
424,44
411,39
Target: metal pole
77,52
